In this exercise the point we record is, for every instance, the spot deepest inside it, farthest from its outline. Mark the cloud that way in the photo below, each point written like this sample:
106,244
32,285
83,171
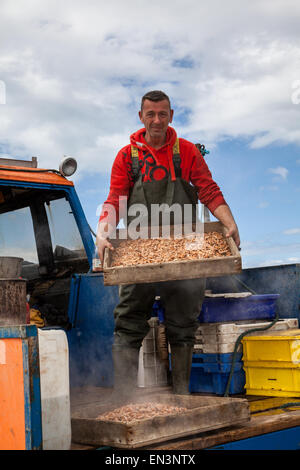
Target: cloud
271,262
280,171
292,231
274,262
263,205
74,73
268,252
269,188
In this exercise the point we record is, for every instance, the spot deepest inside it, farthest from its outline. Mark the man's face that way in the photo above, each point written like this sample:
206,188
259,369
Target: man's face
156,117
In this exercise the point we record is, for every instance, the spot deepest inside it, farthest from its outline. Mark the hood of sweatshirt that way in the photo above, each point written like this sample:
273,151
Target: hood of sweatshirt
138,138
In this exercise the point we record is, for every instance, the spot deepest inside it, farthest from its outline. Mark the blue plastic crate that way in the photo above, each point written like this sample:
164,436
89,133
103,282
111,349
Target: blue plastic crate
210,373
216,357
216,382
226,309
216,367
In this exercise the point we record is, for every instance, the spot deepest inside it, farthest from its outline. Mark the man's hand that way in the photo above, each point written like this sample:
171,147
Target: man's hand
234,233
101,244
223,213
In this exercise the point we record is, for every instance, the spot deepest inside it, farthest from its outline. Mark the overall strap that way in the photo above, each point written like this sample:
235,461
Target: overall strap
135,162
177,170
176,158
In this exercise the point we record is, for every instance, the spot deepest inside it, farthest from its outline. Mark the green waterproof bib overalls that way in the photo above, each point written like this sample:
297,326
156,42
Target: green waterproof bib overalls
182,300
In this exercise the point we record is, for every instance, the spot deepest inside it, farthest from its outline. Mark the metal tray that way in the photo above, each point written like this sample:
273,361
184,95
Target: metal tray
205,413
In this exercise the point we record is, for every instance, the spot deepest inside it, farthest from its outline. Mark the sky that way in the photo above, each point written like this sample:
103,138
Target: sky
72,75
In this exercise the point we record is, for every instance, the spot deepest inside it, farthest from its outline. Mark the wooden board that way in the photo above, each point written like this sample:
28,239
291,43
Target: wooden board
257,426
204,414
266,417
175,270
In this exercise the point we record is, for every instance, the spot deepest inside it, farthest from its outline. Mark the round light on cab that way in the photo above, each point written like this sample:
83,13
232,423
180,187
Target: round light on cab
68,166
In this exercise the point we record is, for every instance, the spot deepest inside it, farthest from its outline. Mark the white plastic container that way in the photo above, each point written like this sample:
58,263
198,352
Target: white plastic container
221,337
55,389
151,371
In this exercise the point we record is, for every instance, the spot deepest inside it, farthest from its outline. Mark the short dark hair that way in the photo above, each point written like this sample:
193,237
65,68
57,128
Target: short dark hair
155,95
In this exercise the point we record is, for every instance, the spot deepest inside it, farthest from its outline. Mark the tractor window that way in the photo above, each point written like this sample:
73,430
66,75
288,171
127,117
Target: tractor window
39,226
65,236
17,235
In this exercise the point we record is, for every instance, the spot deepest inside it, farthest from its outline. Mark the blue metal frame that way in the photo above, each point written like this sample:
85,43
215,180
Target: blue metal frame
31,373
287,439
27,407
82,223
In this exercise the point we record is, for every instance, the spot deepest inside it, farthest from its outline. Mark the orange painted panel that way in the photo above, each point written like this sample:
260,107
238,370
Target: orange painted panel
12,414
33,176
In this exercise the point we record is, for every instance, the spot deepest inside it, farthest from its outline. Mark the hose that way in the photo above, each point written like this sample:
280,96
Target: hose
238,342
242,335
92,231
244,285
290,404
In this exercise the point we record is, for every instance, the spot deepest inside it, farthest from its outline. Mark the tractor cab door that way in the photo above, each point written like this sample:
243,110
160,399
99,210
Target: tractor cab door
47,228
91,309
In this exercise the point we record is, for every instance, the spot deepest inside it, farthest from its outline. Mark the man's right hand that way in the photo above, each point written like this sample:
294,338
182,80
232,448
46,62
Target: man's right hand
101,244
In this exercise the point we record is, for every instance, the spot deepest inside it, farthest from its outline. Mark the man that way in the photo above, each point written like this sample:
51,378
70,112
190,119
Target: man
157,168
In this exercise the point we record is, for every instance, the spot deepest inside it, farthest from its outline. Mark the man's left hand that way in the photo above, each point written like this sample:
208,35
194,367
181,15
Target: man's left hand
234,233
223,213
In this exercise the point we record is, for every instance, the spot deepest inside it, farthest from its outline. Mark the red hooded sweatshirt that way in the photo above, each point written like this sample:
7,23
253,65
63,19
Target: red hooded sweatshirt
156,165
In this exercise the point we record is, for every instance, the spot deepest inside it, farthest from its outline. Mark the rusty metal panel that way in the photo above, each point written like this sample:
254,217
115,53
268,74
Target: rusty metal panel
12,302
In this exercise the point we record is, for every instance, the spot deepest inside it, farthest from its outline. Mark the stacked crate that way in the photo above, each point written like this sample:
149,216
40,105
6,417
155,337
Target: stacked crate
215,340
272,364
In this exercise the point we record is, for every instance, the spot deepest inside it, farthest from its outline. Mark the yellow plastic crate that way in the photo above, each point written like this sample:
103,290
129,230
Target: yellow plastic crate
273,381
272,364
274,346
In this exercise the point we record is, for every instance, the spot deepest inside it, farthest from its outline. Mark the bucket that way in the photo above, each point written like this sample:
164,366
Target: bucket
10,267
